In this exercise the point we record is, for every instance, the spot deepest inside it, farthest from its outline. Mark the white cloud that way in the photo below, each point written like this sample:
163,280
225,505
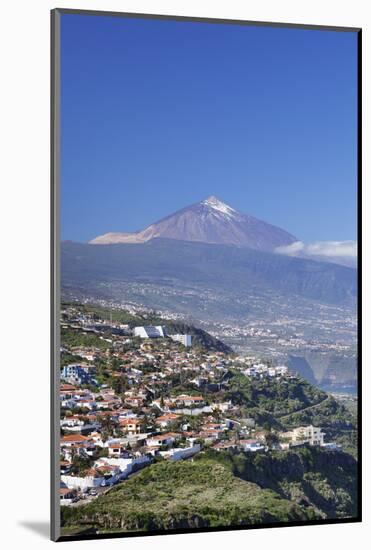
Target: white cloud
327,250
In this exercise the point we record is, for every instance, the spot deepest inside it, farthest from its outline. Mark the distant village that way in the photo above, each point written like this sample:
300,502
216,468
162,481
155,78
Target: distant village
134,395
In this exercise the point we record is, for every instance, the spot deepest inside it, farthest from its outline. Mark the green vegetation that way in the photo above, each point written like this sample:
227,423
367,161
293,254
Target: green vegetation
309,476
336,420
69,358
98,312
284,404
225,489
350,402
167,495
81,465
200,338
288,402
76,338
329,413
277,397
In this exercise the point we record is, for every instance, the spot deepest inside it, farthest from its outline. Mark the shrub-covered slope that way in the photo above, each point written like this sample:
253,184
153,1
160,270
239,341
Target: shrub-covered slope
182,495
308,476
225,489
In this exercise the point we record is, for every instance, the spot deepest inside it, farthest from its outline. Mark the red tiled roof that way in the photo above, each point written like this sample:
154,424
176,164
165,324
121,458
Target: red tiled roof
77,438
164,417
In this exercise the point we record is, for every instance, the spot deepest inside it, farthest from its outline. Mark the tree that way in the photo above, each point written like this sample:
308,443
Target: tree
267,427
103,452
80,465
271,439
120,385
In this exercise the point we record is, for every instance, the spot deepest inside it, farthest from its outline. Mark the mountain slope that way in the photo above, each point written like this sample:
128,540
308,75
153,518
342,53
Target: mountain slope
209,221
224,490
307,476
200,338
178,264
182,495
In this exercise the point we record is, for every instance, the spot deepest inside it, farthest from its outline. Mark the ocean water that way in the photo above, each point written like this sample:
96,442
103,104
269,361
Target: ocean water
348,390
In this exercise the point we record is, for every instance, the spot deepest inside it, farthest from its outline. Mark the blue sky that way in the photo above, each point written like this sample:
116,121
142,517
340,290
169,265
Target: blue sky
160,114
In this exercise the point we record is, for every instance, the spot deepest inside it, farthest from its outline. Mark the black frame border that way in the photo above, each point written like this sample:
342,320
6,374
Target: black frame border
55,269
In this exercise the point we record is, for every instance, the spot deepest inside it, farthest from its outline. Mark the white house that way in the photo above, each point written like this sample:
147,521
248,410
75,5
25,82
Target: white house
68,403
159,440
70,422
74,440
164,420
181,453
92,479
116,450
124,465
188,400
251,445
223,407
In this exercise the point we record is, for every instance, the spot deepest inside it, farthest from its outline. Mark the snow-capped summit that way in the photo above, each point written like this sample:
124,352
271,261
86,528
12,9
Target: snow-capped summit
211,221
219,206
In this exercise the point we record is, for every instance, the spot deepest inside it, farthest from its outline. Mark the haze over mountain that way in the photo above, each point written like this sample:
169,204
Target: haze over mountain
209,221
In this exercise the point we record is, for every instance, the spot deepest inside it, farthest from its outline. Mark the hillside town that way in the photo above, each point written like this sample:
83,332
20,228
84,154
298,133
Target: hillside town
131,396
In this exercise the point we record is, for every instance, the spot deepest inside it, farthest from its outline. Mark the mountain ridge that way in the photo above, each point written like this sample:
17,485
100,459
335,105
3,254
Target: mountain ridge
222,266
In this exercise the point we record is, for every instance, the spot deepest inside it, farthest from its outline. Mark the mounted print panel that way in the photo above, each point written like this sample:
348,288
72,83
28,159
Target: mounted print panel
205,178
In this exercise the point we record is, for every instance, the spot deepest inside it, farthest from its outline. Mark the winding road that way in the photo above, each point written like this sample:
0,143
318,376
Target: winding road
304,409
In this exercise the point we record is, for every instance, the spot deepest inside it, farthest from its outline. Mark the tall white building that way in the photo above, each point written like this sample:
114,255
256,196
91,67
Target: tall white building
185,339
